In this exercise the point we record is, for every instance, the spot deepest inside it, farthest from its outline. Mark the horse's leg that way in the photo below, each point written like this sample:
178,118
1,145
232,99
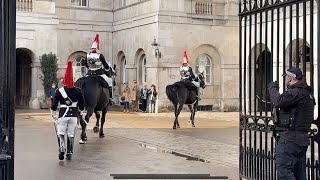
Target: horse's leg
175,116
103,119
194,113
83,135
96,128
178,109
191,116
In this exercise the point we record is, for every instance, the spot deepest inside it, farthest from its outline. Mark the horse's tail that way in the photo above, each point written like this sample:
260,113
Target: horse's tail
171,91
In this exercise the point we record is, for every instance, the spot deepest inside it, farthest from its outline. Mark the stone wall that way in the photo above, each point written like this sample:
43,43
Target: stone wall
126,32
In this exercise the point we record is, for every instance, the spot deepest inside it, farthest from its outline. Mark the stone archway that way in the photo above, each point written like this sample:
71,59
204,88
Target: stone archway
122,62
263,78
299,58
23,77
79,68
260,59
141,61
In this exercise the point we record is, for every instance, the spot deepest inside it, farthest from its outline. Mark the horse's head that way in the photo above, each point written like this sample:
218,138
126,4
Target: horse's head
202,79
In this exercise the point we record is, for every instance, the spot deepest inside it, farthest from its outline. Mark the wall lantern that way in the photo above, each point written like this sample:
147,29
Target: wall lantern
155,46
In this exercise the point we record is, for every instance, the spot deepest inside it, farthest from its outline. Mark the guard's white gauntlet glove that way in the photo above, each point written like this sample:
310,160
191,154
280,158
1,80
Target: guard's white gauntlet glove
54,115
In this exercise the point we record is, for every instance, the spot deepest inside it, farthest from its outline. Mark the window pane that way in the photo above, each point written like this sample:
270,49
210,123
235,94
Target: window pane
204,64
197,69
145,74
124,70
83,71
208,79
208,68
208,61
84,2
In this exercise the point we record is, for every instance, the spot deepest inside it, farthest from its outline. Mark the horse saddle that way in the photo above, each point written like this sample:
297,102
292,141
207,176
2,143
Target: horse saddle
190,86
101,81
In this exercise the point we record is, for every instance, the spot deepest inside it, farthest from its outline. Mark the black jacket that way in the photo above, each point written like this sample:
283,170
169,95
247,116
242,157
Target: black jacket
75,95
298,96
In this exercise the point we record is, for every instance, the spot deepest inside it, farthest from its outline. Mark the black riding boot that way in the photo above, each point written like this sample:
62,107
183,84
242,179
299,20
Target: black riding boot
70,148
61,147
111,101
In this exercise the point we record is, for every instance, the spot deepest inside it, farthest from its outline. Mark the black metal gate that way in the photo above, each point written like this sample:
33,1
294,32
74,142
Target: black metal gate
7,86
274,35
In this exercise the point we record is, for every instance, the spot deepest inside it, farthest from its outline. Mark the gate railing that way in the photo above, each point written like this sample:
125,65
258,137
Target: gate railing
7,87
273,36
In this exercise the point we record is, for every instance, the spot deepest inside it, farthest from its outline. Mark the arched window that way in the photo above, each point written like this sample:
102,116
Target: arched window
144,69
204,63
123,65
79,67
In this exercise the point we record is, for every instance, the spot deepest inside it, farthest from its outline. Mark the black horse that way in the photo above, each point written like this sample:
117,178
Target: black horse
96,99
183,92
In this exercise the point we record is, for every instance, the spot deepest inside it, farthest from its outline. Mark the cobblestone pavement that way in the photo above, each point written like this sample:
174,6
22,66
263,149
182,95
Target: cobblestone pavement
143,129
205,150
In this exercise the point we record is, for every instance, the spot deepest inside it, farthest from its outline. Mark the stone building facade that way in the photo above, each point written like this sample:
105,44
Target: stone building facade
206,29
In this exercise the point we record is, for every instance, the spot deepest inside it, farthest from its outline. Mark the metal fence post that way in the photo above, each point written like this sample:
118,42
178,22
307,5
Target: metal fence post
7,86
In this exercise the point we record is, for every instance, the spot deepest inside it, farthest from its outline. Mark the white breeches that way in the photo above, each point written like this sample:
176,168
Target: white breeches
107,79
68,124
197,84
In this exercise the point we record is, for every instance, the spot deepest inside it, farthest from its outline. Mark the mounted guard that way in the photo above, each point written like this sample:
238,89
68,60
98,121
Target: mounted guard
187,74
98,66
71,101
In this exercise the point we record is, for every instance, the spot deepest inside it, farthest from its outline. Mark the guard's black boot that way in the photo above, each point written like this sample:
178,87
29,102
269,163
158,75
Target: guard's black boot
61,147
70,148
111,100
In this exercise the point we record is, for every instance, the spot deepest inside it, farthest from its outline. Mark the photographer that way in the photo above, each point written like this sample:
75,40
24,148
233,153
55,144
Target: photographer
295,115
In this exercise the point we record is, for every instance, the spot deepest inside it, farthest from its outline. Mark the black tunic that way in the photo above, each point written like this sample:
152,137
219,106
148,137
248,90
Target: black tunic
75,95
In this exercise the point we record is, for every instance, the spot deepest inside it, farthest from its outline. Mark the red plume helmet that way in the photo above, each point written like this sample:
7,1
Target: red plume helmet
185,58
68,76
96,44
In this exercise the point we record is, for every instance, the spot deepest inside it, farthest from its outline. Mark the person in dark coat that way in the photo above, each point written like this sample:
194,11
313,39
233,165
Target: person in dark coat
296,113
52,91
153,98
71,101
144,92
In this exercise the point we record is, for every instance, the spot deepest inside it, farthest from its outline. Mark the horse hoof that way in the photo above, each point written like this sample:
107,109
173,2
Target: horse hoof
189,122
193,125
178,126
173,127
96,129
101,135
82,142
